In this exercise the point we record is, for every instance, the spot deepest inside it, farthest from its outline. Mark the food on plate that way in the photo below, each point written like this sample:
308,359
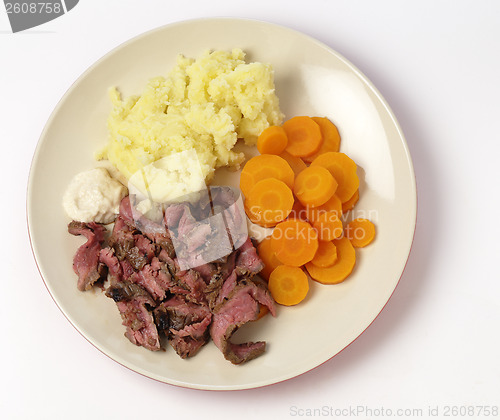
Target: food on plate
268,257
329,226
294,242
325,186
296,163
332,205
304,136
179,261
338,272
288,285
329,134
314,186
204,104
165,280
93,196
272,140
360,232
326,255
270,201
349,204
265,166
343,169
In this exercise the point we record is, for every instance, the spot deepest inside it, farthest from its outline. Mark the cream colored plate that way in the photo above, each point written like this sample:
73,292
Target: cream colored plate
311,79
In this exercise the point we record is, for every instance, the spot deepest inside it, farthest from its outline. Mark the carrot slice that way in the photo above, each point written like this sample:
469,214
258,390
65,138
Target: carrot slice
304,136
326,255
349,204
270,201
360,232
263,311
343,169
338,272
333,204
298,211
314,186
265,166
268,257
288,285
296,163
272,140
329,226
294,242
331,138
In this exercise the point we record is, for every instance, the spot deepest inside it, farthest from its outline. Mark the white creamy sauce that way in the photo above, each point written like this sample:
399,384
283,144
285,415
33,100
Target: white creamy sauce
93,196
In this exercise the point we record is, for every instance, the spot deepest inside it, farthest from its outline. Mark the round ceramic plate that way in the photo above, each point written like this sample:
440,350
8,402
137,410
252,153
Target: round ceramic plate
311,79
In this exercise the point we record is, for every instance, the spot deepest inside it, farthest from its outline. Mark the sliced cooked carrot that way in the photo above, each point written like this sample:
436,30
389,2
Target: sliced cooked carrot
304,136
314,186
343,170
270,201
265,166
272,140
331,138
268,257
326,255
329,226
294,242
298,211
333,204
360,232
288,285
263,311
296,163
349,204
338,272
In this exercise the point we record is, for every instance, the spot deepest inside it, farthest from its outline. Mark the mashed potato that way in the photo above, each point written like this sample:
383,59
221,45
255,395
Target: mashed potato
204,104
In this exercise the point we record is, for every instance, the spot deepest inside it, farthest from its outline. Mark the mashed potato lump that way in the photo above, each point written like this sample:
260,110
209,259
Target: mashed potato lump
204,104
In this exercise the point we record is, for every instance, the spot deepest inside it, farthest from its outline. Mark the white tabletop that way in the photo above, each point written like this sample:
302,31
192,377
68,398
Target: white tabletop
434,350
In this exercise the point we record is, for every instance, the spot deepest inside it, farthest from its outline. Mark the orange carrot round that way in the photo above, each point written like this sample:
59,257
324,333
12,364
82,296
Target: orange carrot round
329,226
272,140
265,166
326,255
343,169
298,211
314,186
268,257
360,232
333,204
340,270
294,242
296,163
304,136
269,202
288,285
349,204
331,138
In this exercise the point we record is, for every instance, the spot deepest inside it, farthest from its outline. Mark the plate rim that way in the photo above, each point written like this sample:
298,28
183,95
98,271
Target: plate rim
122,45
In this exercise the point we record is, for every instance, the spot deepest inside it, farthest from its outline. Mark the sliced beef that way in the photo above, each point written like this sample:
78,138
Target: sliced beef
187,274
156,279
184,323
138,319
86,262
122,238
248,262
107,257
125,290
241,307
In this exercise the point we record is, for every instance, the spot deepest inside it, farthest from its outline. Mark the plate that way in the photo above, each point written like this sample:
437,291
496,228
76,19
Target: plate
311,79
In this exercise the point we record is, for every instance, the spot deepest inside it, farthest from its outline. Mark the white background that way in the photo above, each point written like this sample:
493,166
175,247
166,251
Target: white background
437,341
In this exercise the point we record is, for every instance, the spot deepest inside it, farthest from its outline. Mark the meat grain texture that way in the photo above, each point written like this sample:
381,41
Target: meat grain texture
165,281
